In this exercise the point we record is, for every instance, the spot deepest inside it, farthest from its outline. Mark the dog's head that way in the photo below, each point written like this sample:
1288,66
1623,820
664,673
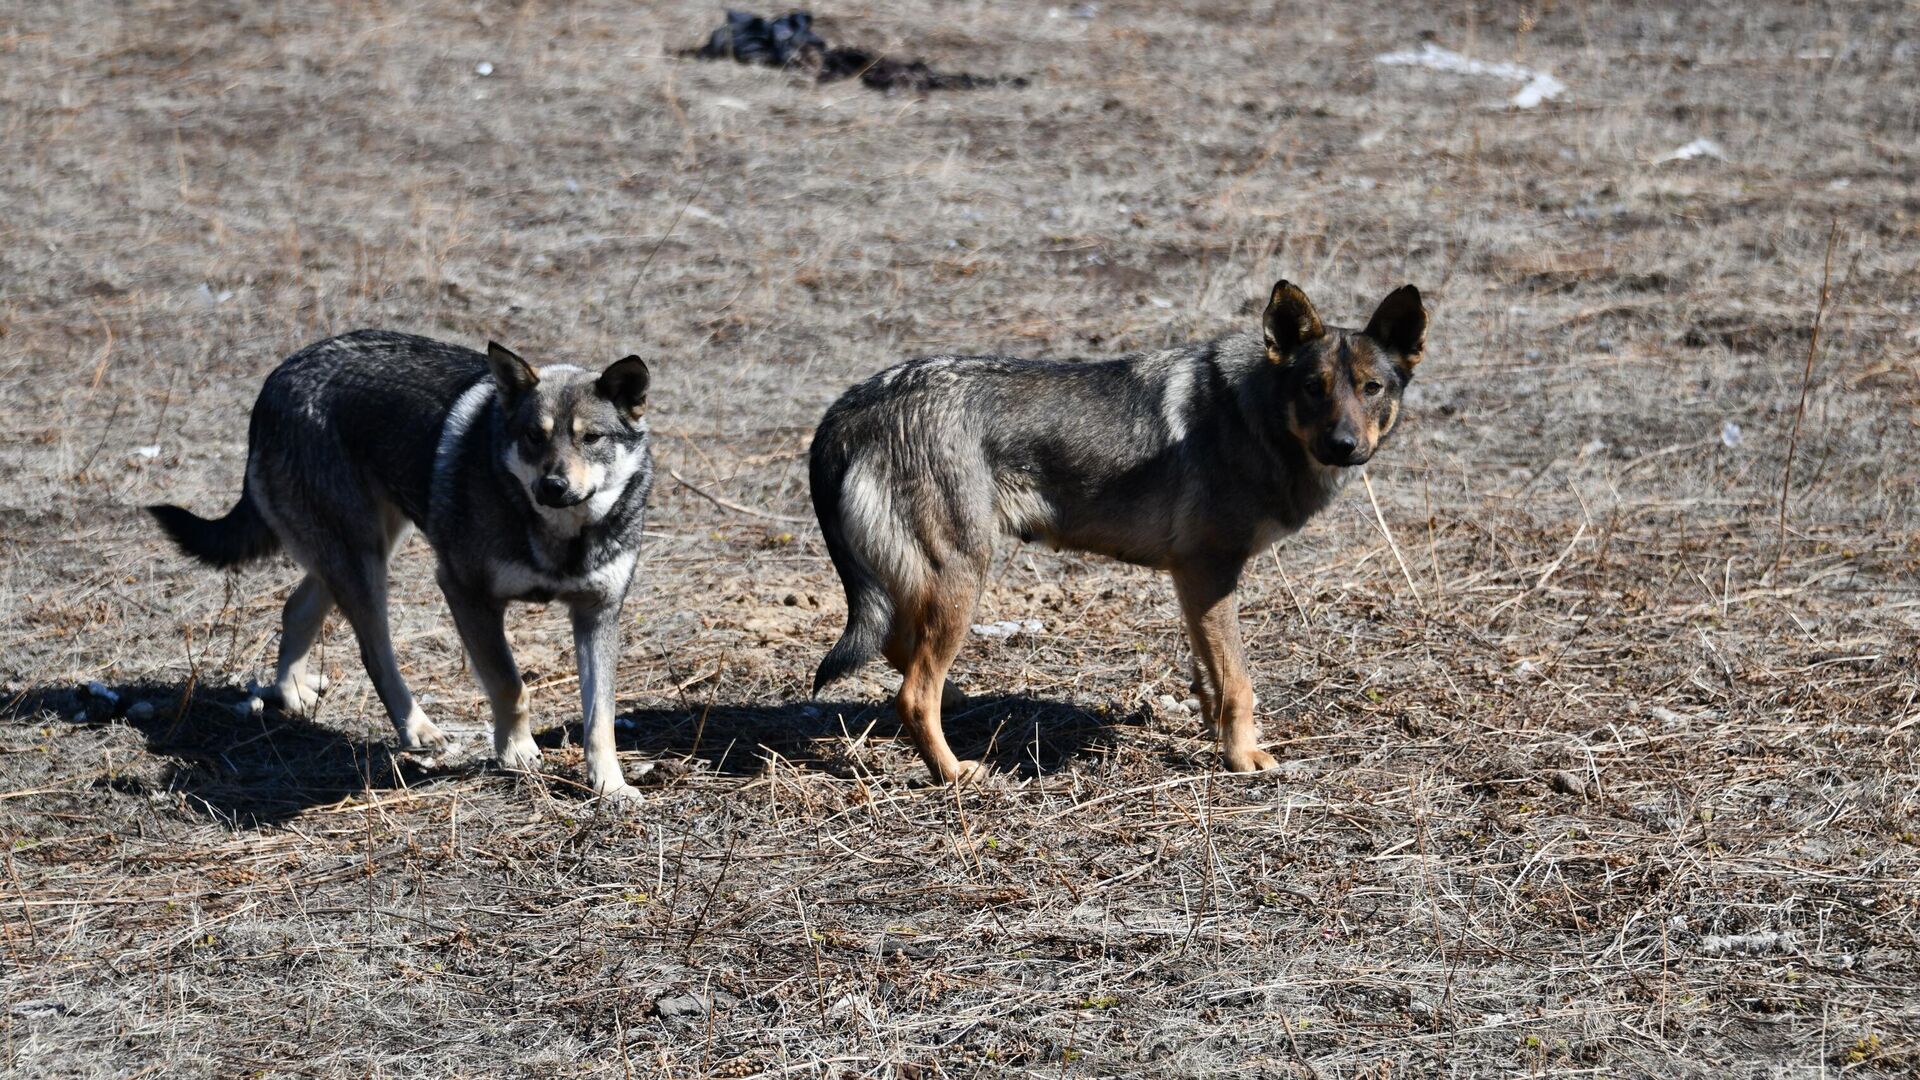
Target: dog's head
1341,388
575,439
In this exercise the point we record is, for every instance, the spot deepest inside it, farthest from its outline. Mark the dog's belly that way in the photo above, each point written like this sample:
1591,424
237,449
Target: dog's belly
1137,533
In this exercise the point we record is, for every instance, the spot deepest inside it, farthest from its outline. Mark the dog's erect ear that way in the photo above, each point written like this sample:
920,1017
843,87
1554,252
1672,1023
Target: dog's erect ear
1290,321
1400,323
512,375
625,384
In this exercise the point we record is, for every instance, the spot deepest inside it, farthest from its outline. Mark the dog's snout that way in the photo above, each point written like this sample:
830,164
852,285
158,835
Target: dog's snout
1343,447
551,490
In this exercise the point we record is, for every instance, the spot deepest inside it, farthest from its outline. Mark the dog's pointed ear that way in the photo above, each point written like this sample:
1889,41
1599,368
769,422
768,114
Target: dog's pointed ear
625,384
511,375
1400,323
1290,321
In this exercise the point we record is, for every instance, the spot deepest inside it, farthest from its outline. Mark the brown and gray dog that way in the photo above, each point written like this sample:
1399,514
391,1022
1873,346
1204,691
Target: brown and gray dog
530,484
1190,460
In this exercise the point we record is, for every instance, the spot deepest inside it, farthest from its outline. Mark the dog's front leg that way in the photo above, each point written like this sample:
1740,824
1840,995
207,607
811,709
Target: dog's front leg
481,621
1213,622
596,641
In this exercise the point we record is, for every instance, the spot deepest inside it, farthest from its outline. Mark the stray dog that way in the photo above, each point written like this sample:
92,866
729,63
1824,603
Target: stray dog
529,485
1190,460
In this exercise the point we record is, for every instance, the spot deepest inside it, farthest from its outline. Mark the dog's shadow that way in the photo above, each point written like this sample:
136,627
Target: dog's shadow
249,767
1011,733
243,767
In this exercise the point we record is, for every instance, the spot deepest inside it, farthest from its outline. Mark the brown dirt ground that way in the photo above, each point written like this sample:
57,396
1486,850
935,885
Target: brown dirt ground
1589,768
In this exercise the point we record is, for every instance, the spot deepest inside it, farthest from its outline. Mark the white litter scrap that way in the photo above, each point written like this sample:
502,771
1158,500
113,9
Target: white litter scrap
1761,944
1007,628
1537,86
1698,148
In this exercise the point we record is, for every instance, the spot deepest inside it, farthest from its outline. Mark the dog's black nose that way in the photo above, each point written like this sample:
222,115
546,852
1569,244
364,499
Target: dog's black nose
1342,444
550,488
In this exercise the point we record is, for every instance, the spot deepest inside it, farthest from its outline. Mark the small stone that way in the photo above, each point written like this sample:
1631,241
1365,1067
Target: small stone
912,948
1567,783
680,1007
140,712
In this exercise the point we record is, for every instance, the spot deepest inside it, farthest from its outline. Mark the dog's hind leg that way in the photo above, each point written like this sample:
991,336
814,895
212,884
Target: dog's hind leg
357,577
923,651
1206,599
482,624
301,620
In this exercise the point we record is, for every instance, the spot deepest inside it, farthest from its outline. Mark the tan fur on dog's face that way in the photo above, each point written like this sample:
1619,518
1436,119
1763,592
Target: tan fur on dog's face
1341,388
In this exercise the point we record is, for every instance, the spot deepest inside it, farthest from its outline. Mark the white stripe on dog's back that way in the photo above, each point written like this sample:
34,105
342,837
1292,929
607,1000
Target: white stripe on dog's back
452,430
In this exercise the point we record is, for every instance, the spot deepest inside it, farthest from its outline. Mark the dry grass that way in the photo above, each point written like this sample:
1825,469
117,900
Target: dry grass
1588,786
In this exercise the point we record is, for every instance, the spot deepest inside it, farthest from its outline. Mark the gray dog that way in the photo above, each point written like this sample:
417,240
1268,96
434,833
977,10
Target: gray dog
1190,460
529,485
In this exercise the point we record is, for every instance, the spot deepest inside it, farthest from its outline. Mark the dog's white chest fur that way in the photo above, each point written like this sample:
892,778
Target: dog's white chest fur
512,580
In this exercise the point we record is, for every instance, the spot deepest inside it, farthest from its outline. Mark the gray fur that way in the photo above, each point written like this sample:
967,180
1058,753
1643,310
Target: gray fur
529,486
1191,459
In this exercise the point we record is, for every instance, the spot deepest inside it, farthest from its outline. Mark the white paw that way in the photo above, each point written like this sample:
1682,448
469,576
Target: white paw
518,755
294,697
298,699
420,733
620,796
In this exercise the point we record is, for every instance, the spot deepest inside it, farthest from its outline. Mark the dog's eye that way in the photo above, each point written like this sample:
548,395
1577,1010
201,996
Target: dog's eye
1374,388
591,437
533,436
1314,390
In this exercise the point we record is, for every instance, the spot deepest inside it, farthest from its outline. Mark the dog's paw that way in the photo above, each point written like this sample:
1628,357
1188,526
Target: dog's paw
298,698
420,734
518,755
966,774
1251,761
619,796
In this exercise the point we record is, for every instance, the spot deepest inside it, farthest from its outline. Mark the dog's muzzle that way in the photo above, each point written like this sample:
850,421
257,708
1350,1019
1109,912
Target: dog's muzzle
1341,451
554,492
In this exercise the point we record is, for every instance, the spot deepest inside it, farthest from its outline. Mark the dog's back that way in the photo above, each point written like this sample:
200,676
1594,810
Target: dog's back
359,410
375,398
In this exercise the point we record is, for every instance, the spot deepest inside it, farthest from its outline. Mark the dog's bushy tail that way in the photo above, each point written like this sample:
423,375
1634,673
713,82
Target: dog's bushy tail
240,537
869,606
